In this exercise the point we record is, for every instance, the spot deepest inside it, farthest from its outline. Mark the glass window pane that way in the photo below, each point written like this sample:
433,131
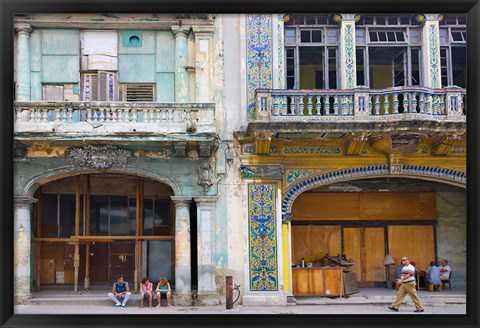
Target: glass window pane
162,212
368,20
132,210
380,20
462,20
457,36
305,36
310,20
148,217
67,215
373,36
99,215
49,216
404,20
290,35
391,36
382,36
400,36
119,225
451,20
290,52
322,20
392,20
316,36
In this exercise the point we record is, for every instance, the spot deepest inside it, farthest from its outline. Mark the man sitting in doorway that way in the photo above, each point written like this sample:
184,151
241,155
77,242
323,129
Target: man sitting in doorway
433,274
120,290
444,270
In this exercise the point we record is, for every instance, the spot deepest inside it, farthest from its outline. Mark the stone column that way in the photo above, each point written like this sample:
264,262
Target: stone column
21,248
203,59
432,74
207,289
183,280
347,67
23,31
181,61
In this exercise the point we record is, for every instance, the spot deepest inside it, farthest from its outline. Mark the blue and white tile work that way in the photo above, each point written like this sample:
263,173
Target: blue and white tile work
349,38
259,57
281,51
262,230
433,173
433,39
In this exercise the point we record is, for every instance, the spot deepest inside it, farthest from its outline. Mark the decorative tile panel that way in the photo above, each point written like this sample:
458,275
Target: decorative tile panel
293,176
263,266
434,173
259,57
261,172
349,44
280,51
433,44
312,150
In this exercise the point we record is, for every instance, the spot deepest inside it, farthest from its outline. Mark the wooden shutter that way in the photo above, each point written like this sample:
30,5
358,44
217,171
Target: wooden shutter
53,93
100,86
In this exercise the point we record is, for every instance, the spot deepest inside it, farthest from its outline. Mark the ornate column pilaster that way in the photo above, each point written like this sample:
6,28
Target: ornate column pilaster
203,64
207,289
23,31
181,61
22,224
432,74
183,280
347,67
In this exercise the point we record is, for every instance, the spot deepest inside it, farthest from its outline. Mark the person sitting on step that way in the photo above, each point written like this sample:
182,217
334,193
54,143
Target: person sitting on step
163,289
146,290
120,290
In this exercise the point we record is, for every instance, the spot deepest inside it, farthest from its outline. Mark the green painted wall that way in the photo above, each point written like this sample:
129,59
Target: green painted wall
381,76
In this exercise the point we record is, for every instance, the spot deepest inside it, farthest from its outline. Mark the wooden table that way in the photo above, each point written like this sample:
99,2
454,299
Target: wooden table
318,281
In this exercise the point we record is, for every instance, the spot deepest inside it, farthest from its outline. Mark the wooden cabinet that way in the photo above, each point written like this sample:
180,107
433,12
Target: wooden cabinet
318,281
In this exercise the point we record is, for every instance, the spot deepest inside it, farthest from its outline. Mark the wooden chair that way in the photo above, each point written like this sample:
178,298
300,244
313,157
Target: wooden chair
447,281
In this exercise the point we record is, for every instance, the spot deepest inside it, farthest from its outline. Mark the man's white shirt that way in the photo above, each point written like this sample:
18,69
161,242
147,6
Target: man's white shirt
406,270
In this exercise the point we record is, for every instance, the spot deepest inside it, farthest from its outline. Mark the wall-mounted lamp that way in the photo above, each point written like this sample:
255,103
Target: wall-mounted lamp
230,156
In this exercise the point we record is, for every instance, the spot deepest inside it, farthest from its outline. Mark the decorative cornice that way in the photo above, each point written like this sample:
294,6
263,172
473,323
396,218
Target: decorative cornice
99,157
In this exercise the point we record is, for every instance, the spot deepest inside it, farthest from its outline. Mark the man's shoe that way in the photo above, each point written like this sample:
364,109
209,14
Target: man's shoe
393,308
419,310
124,305
118,305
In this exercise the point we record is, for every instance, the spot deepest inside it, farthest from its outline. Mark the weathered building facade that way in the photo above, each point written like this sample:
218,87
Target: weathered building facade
201,146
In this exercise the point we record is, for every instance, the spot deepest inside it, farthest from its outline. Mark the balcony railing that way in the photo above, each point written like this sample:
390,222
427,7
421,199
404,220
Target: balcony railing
361,104
112,117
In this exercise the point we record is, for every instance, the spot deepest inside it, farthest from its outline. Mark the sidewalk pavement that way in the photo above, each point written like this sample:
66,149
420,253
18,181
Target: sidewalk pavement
367,301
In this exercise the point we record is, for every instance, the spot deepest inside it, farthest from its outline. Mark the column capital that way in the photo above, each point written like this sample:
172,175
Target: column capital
206,200
180,30
24,201
181,200
346,17
429,17
202,30
22,28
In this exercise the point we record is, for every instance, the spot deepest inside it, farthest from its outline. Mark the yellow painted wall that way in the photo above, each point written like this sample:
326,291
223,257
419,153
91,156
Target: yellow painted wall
380,76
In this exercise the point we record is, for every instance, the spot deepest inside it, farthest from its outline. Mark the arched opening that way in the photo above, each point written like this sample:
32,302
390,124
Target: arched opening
365,220
90,228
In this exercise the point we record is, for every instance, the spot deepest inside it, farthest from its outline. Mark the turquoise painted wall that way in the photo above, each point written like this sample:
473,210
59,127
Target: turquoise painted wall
165,66
60,56
36,65
136,64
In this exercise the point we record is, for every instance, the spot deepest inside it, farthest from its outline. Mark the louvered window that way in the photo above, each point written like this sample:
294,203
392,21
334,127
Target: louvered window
100,86
138,92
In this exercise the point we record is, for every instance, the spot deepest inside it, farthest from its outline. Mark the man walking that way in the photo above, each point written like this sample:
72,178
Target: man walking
407,286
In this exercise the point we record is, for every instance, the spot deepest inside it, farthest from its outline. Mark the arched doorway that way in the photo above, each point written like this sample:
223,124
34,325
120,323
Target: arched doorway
89,228
364,220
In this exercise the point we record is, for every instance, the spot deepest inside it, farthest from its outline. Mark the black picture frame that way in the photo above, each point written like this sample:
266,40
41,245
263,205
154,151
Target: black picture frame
10,7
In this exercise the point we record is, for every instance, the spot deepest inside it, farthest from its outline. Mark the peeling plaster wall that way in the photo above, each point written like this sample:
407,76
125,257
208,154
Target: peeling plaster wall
452,233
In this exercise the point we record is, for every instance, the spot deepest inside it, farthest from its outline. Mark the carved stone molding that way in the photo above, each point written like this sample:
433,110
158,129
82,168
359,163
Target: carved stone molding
205,175
99,157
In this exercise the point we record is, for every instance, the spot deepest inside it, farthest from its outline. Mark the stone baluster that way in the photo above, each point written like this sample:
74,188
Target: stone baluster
428,104
443,105
436,105
134,115
57,114
300,105
414,102
377,105
114,115
292,105
31,115
284,105
421,103
89,114
386,104
309,105
335,105
395,103
318,105
44,115
351,105
70,115
18,114
171,113
275,105
326,104
370,105
405,102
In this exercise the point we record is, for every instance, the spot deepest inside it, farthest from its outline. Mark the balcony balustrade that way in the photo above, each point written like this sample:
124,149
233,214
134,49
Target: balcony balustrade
114,117
361,104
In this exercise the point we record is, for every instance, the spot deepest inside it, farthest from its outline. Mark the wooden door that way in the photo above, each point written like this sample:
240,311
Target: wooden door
47,274
122,260
308,240
366,246
99,263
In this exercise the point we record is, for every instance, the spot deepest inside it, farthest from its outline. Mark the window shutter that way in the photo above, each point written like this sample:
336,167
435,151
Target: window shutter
138,92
